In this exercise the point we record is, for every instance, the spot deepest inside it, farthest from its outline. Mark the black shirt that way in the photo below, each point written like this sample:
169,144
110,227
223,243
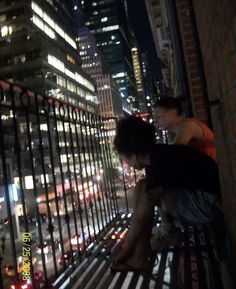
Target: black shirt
182,167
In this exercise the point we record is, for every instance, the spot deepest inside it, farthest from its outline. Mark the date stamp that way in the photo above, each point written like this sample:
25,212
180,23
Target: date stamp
26,253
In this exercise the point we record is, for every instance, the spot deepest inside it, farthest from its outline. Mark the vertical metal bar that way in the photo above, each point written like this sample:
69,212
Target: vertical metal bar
99,125
110,166
101,168
199,259
7,195
215,266
42,157
72,139
26,106
56,119
62,111
86,119
80,148
48,108
93,160
98,161
19,170
124,186
187,262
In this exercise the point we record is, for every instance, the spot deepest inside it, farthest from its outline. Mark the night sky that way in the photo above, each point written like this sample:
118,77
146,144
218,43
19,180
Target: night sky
140,23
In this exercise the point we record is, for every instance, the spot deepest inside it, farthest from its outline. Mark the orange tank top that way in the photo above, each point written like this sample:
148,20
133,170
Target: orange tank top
207,143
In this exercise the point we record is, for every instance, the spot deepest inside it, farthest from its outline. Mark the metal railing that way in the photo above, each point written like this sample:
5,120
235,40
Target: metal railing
57,190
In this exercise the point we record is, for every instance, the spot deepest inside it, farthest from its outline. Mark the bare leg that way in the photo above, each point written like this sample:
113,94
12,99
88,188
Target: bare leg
136,250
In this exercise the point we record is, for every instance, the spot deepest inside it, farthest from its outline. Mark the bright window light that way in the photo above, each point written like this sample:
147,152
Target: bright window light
50,22
52,60
104,19
110,28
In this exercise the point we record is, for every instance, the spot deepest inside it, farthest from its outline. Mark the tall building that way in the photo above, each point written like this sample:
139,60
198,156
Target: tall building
148,82
140,100
107,20
38,50
110,101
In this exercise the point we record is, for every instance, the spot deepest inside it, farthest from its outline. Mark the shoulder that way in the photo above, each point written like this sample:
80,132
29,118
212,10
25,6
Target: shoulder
190,123
194,128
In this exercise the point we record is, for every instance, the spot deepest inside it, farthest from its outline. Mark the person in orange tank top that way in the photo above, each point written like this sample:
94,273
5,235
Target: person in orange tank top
168,114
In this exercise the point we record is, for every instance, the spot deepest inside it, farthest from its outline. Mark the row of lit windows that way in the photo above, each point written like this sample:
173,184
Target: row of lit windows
44,27
75,89
50,22
52,60
9,30
106,29
72,101
90,64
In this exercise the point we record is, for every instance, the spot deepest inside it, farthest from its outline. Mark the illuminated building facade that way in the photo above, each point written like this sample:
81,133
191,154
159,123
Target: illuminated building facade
110,101
38,50
138,79
107,20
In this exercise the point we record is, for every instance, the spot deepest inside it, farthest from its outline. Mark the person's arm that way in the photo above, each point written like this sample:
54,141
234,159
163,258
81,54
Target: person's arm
142,217
187,131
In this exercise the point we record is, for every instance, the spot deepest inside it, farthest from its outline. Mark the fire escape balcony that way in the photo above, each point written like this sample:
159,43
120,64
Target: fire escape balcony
65,205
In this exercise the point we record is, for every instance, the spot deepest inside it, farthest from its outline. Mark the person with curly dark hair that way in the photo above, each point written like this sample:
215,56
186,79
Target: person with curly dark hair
180,179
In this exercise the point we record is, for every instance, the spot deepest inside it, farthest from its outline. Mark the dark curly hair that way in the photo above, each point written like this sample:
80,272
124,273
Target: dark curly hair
170,102
134,136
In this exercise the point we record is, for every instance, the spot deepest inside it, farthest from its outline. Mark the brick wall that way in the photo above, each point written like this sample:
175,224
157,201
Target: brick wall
216,22
196,88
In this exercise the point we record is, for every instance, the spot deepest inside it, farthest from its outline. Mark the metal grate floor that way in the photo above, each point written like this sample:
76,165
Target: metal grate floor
190,266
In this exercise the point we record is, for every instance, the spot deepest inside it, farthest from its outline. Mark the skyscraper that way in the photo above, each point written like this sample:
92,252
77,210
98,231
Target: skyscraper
140,100
38,50
110,102
107,20
148,83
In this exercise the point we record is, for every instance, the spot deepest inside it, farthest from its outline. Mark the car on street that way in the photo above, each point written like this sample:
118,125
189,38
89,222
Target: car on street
67,257
47,246
10,269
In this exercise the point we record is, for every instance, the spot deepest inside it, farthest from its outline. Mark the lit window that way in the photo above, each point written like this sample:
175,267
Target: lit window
59,31
110,28
6,30
94,4
48,20
37,9
104,19
2,17
49,31
52,60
